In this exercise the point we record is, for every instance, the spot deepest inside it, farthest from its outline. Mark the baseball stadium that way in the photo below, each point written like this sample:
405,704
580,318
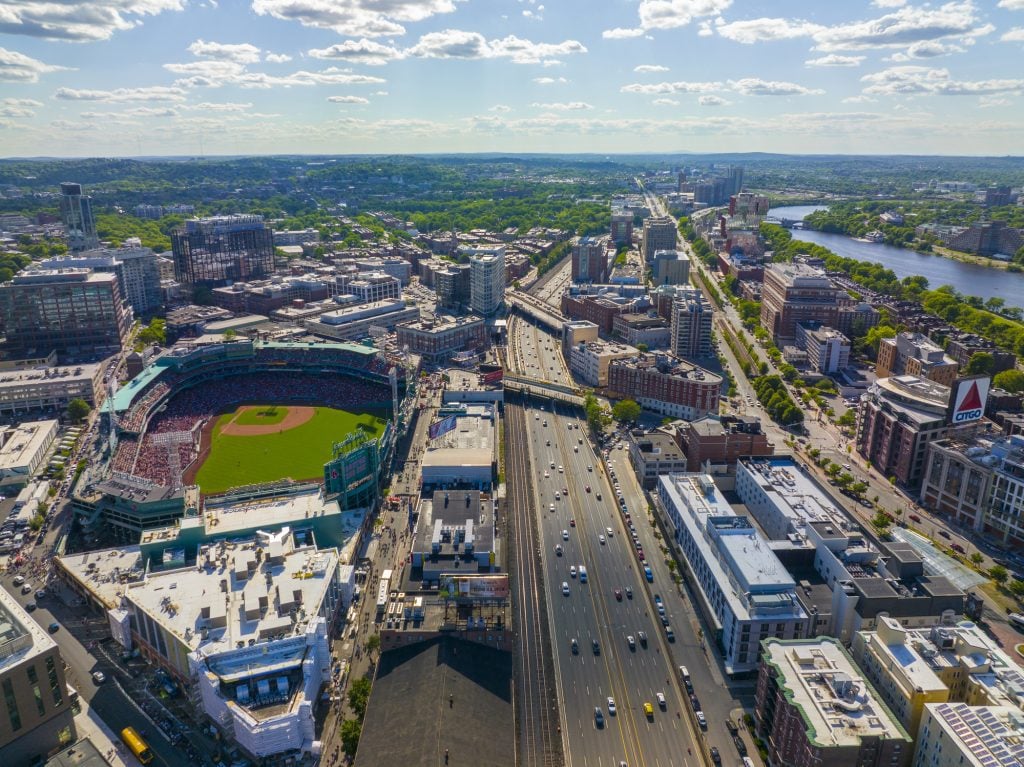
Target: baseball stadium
245,414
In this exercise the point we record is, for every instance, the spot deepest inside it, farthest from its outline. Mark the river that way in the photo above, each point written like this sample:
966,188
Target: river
969,279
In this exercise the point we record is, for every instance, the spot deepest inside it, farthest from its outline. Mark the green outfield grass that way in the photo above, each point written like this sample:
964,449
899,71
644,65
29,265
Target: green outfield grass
299,453
264,415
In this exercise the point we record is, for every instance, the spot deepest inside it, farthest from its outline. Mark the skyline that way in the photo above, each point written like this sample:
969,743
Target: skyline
173,77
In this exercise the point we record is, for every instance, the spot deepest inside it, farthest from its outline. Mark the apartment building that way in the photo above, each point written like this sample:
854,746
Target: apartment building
659,233
487,280
714,444
691,324
795,293
589,361
915,354
590,260
828,350
665,385
439,338
959,735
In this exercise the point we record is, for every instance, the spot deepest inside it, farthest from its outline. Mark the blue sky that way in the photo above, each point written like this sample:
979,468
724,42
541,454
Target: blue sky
131,77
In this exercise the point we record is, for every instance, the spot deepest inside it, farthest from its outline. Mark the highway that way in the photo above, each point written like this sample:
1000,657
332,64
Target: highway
632,677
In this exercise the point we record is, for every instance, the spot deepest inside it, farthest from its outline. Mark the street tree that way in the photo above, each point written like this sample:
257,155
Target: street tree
977,558
351,729
1017,588
999,574
626,411
881,523
359,696
77,410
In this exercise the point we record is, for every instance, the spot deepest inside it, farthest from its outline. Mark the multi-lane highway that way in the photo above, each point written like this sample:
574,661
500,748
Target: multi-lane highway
615,601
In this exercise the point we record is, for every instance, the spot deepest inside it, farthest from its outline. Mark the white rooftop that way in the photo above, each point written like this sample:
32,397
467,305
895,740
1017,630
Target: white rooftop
23,441
988,736
792,493
838,705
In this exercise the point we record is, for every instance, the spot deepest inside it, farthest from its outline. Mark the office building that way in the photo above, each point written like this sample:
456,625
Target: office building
635,329
452,285
74,311
979,484
22,450
454,533
576,332
666,385
959,735
916,355
713,445
589,361
814,707
896,420
36,718
49,389
362,321
487,280
691,324
671,267
652,454
742,589
590,260
440,337
396,266
820,545
795,293
222,249
622,227
828,350
911,668
658,234
76,213
600,309
136,267
371,286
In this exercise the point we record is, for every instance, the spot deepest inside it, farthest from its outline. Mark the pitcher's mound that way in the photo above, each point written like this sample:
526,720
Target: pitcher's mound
296,415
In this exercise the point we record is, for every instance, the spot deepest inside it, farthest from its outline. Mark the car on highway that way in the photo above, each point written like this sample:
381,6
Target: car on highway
572,571
611,706
546,475
715,756
631,642
98,677
664,621
558,549
670,635
661,608
26,589
640,554
598,717
572,522
587,488
597,647
561,470
590,468
600,539
558,496
629,592
702,721
694,703
565,588
551,507
741,747
648,709
618,594
648,573
598,495
565,534
608,530
661,700
574,646
642,637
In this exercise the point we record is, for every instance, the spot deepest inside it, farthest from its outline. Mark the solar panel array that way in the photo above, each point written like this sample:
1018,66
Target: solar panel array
984,735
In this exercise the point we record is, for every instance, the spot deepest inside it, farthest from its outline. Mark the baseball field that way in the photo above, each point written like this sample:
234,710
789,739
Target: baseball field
263,443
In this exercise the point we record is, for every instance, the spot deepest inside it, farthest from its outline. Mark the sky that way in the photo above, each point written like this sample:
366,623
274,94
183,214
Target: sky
209,77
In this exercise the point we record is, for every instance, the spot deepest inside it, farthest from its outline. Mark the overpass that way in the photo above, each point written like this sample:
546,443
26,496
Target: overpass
538,388
536,310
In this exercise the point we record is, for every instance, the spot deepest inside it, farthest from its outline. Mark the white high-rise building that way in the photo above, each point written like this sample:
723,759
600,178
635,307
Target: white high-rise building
691,324
487,280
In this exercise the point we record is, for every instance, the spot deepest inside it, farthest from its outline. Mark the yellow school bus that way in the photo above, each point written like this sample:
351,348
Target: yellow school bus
138,746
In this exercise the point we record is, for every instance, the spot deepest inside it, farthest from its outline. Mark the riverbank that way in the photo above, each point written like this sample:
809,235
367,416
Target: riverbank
967,258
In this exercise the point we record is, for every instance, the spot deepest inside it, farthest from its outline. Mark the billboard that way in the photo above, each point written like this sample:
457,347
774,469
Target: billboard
442,427
493,377
967,400
476,586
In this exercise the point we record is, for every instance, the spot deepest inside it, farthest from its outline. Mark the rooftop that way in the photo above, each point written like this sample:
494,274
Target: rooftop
919,399
989,736
838,705
441,322
23,441
794,495
50,375
20,636
668,365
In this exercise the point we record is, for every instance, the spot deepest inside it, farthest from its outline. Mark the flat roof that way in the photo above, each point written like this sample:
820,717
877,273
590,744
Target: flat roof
21,637
989,736
60,374
24,441
839,706
793,494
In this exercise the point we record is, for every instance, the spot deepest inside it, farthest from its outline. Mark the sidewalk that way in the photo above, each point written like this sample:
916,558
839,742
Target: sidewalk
89,725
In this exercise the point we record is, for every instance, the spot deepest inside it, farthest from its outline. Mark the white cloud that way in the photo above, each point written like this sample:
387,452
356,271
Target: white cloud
987,102
550,80
1012,5
240,53
904,27
226,106
914,80
348,100
676,87
755,86
665,102
888,3
835,60
1015,35
669,14
150,93
10,102
766,30
13,111
355,18
713,101
501,108
18,68
360,52
927,49
572,106
278,58
644,68
622,33
78,20
215,74
460,44
151,112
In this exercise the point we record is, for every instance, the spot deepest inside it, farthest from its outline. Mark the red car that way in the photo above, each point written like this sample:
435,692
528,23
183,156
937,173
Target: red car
618,594
572,522
914,517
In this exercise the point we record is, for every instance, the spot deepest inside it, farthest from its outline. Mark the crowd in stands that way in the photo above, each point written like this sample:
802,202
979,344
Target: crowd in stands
136,418
189,409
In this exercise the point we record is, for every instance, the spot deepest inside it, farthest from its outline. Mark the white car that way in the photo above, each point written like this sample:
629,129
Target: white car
600,539
561,470
611,706
565,588
661,700
551,507
558,549
609,531
572,571
565,535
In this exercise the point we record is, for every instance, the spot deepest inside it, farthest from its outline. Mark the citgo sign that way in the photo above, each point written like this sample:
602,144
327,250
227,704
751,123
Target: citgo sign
969,397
